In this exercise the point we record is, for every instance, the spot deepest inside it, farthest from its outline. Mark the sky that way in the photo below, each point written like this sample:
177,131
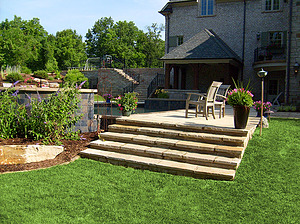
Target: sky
81,15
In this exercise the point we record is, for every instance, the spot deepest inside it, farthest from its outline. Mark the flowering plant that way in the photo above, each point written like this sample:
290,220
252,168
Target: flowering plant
240,96
107,96
266,105
161,93
128,102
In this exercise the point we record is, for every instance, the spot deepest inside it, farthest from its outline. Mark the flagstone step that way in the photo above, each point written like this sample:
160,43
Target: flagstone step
159,165
187,127
177,144
169,154
183,135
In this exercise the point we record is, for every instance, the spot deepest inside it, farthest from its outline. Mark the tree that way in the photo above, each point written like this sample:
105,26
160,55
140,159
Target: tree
69,49
154,46
20,42
99,38
124,41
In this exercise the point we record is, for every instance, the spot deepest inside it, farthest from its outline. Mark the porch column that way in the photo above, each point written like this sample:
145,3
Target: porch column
176,76
183,78
196,68
167,76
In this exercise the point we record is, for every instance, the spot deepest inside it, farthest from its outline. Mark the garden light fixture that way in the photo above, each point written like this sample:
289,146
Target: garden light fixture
262,74
296,68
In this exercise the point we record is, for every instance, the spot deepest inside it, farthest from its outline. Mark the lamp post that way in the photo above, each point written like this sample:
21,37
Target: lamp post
262,74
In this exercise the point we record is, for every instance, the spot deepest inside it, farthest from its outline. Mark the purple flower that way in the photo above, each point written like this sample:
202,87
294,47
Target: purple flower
57,92
15,93
39,97
28,97
81,84
15,83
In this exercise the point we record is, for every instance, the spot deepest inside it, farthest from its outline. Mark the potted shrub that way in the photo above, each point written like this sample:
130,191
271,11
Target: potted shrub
241,100
127,103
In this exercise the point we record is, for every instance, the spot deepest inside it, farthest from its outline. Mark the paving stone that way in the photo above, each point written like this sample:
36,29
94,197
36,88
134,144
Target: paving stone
167,142
215,172
231,150
145,139
195,146
135,149
106,144
156,152
118,136
196,157
177,166
174,154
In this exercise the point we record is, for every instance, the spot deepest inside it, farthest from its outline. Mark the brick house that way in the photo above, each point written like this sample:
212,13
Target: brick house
210,40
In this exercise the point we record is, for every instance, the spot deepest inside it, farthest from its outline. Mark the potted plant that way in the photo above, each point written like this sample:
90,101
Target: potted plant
108,97
127,103
241,100
257,106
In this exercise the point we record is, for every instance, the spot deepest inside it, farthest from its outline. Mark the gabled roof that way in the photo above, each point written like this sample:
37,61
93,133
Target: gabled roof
204,45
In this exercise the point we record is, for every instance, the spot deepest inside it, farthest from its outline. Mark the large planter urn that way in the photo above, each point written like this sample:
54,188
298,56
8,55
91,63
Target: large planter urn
241,114
126,113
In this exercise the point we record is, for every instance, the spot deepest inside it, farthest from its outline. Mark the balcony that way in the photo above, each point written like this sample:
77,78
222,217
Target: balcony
272,57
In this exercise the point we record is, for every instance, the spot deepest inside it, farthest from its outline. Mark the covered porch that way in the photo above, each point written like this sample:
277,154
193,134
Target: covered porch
199,61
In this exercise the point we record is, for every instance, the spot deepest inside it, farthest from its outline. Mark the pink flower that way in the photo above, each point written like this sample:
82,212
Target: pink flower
119,105
121,108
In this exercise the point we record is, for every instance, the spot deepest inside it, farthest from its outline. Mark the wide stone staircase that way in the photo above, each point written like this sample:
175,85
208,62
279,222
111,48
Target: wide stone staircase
196,151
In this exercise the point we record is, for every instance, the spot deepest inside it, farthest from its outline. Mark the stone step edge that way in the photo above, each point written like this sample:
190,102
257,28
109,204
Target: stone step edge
169,154
203,128
183,145
177,134
159,165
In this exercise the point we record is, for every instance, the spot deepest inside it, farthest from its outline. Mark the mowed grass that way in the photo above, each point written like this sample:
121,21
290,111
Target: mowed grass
266,190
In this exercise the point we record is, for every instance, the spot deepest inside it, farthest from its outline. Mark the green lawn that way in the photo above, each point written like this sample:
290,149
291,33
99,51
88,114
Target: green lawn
266,190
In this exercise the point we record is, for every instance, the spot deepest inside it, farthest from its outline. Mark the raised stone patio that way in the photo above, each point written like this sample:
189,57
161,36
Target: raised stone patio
169,142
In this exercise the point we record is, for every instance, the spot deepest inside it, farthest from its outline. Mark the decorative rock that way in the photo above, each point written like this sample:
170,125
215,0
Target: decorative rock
20,154
265,123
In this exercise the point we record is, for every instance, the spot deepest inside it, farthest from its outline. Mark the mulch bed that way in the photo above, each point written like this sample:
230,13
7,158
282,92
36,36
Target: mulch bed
72,148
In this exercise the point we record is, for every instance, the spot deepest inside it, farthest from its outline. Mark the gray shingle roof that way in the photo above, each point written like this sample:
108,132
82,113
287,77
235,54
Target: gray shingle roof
204,45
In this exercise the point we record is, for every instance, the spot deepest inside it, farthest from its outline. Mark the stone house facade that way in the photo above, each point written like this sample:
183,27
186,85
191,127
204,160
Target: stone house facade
235,39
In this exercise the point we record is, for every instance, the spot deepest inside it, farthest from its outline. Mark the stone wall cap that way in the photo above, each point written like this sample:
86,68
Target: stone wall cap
48,89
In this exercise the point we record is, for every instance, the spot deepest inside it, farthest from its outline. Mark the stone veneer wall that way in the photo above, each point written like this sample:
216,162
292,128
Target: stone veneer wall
295,55
87,122
110,79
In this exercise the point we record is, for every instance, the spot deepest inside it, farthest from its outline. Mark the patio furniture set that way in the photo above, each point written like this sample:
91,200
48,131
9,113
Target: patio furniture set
214,97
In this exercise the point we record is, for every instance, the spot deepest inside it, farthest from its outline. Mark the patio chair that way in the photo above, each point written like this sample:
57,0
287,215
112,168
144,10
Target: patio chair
221,99
203,101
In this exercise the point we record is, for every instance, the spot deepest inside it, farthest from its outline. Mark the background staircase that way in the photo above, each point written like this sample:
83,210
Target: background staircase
199,152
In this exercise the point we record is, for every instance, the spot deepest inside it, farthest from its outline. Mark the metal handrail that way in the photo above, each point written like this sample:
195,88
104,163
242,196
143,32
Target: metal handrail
158,81
268,53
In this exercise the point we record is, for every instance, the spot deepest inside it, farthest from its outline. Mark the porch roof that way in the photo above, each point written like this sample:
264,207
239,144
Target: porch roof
205,46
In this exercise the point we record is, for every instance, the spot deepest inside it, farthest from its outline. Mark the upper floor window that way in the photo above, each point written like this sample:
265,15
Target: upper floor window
276,39
272,5
175,41
179,40
206,7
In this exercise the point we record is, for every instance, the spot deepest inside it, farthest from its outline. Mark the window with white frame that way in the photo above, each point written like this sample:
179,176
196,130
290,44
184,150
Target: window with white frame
206,7
272,5
276,39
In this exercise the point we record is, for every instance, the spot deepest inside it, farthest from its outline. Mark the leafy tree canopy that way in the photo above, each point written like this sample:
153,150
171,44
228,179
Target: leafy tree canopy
123,40
28,44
